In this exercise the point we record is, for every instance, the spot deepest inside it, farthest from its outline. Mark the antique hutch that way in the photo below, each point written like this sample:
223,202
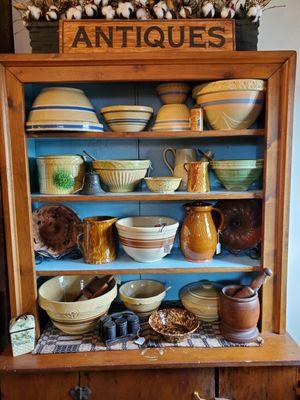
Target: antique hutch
232,373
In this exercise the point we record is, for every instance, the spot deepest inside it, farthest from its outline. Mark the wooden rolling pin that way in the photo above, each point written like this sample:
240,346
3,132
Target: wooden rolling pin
256,284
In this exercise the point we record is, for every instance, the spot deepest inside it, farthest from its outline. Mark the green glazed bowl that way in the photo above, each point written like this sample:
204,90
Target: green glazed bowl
237,175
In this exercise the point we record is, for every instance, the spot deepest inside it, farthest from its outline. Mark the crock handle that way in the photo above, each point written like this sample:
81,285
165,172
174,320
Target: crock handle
219,228
165,153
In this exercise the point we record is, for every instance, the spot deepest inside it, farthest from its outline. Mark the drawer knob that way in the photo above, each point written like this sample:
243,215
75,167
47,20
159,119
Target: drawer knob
80,393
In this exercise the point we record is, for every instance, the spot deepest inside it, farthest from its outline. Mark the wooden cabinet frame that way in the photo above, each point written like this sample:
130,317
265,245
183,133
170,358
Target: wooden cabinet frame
278,68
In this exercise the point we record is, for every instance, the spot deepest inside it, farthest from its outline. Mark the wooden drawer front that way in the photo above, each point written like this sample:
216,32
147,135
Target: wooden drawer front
150,384
263,383
38,386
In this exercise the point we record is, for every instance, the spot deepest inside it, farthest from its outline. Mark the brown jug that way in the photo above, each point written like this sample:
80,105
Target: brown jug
199,235
96,238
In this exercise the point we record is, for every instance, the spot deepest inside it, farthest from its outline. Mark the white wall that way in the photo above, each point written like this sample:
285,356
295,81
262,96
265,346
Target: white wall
280,30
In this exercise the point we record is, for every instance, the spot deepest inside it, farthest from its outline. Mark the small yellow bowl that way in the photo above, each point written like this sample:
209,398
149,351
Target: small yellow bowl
173,92
163,184
127,118
172,117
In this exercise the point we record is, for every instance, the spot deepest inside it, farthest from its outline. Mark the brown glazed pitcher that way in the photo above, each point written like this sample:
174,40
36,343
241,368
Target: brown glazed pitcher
97,239
199,235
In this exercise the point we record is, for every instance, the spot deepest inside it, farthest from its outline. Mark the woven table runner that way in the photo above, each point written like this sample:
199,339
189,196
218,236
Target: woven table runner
53,341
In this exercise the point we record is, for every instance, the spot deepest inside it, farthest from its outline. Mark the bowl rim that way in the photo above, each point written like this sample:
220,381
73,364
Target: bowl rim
213,86
130,108
174,334
142,300
166,84
67,88
172,226
162,178
72,303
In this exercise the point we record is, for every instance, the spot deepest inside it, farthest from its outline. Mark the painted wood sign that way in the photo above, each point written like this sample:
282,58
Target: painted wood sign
98,36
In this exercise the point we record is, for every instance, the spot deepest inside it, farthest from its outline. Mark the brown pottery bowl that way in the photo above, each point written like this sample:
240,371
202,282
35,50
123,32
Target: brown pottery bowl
174,324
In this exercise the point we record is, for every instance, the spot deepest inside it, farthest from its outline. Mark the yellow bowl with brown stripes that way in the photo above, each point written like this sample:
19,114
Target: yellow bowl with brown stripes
127,118
57,297
231,104
147,239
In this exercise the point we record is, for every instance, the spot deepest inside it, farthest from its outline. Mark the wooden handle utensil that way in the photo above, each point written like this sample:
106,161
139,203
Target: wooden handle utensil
248,291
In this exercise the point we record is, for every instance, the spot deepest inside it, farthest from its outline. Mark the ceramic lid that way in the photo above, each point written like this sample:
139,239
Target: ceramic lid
203,289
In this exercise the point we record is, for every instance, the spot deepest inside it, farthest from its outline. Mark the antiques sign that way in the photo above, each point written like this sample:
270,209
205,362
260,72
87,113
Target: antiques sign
102,36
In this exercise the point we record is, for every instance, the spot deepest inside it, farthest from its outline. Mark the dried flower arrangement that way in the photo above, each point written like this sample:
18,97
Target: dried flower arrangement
53,10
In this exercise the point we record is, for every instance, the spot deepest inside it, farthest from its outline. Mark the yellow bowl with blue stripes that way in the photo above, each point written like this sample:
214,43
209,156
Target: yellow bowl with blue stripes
172,117
231,104
62,109
127,118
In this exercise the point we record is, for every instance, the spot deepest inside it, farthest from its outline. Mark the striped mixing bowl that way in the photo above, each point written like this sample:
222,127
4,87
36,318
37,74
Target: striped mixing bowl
147,239
172,117
173,92
127,118
231,104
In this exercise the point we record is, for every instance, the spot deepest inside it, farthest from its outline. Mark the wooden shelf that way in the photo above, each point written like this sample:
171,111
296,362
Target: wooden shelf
147,134
147,196
277,350
173,263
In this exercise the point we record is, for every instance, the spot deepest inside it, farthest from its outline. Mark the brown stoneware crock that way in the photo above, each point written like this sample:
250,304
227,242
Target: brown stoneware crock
239,317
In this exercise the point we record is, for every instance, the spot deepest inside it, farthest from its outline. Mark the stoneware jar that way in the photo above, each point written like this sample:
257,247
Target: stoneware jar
60,174
202,299
198,179
239,317
199,234
97,239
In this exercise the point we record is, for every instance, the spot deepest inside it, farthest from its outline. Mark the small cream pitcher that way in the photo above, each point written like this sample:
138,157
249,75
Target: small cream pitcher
181,157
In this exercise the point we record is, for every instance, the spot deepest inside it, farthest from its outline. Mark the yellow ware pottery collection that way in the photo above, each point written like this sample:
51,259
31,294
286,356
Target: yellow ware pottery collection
60,174
173,92
231,104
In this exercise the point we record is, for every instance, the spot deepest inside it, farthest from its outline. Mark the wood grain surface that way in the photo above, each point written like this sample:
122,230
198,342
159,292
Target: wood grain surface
134,36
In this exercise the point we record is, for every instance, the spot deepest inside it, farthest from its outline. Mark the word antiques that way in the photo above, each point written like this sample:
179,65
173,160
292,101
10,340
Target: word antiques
100,36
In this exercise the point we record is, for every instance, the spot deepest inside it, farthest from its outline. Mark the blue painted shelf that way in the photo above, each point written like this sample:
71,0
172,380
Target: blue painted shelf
173,263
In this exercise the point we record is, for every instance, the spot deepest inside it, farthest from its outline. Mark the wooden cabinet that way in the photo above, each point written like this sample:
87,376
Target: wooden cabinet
163,384
261,383
234,373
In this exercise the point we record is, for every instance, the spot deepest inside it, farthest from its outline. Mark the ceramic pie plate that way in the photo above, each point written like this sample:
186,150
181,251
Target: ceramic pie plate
53,230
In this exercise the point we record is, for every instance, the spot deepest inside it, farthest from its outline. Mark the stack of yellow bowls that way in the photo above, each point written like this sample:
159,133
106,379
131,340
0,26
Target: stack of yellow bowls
173,115
62,109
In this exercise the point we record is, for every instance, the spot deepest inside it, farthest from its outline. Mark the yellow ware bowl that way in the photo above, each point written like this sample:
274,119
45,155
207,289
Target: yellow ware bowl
202,299
231,104
62,108
121,175
173,92
163,184
142,296
172,117
56,297
127,118
60,174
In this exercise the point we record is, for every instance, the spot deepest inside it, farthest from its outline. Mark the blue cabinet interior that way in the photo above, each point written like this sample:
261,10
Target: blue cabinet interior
103,94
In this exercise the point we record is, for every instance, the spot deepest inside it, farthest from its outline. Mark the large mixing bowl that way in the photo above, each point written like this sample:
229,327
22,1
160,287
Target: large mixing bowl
231,104
121,175
237,174
142,296
57,296
62,109
147,239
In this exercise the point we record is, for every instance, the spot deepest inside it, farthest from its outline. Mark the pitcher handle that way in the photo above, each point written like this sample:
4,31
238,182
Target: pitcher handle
221,224
165,153
186,166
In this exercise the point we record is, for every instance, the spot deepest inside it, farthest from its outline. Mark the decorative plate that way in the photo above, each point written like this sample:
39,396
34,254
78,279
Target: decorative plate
53,230
174,324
